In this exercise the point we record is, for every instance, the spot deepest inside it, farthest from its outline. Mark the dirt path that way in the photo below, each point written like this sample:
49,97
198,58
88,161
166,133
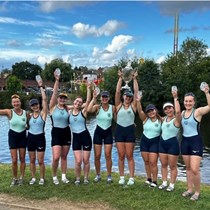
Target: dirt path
8,202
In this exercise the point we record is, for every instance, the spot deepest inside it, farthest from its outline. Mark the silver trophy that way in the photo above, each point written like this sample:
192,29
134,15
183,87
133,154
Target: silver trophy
127,75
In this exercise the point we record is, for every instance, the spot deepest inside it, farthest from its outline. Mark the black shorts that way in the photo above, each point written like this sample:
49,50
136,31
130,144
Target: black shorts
170,146
149,145
103,136
36,142
17,140
192,145
125,134
61,136
82,141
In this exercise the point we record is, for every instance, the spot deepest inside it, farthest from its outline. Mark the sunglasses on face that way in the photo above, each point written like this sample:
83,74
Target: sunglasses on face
190,94
34,105
104,96
62,97
168,107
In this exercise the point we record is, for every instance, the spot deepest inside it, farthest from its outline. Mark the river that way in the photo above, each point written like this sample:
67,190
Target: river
139,165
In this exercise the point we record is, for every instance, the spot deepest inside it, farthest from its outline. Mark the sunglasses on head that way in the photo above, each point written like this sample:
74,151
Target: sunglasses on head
190,94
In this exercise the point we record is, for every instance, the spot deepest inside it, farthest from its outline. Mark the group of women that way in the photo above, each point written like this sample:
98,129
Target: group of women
158,140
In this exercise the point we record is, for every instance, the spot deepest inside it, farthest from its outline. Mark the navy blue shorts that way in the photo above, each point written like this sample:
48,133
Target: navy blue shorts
170,146
192,145
82,141
149,145
36,142
17,140
103,136
125,134
61,136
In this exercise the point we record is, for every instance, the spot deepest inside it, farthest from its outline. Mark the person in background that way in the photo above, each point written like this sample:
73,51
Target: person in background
149,141
36,135
169,145
191,145
103,133
17,137
125,129
82,142
61,133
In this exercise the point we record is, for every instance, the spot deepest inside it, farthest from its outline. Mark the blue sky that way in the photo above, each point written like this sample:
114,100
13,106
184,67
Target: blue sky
96,33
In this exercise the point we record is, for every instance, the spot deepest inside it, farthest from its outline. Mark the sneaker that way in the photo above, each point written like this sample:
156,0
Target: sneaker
32,181
20,182
86,181
147,182
170,188
121,181
130,181
55,181
65,181
162,186
109,180
153,184
41,182
77,182
97,179
14,182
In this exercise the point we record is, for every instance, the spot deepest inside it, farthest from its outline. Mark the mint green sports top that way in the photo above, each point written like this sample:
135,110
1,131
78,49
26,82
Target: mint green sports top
125,117
152,129
18,122
169,130
104,118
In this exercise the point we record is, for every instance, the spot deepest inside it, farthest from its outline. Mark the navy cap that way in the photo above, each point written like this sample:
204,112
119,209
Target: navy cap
33,101
150,107
105,93
128,93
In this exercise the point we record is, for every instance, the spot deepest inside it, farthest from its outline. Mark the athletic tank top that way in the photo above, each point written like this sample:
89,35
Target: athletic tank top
169,130
36,125
191,127
104,118
60,118
125,117
77,122
152,129
18,122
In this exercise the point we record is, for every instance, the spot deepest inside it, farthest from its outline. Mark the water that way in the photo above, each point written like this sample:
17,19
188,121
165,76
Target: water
139,165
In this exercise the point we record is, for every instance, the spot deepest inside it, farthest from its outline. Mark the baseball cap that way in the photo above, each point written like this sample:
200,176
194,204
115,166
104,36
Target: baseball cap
63,95
167,104
150,107
105,93
33,101
128,93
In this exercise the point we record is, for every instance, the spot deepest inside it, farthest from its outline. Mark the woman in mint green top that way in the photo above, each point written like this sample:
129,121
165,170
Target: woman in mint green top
17,137
149,143
169,145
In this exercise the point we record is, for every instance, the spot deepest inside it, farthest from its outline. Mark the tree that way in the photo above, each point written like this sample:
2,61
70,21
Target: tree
66,70
26,70
187,69
13,84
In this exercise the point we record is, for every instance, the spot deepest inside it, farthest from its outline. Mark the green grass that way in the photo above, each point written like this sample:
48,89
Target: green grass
115,196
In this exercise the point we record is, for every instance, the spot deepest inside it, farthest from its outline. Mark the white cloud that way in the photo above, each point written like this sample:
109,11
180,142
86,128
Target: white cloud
119,42
160,59
82,30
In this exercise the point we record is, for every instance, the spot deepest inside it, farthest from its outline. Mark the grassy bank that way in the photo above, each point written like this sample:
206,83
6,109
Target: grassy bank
117,197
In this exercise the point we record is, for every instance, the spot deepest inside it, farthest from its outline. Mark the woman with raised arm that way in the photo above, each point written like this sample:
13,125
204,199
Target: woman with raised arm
36,135
103,133
125,129
17,137
191,145
149,141
169,145
61,133
82,142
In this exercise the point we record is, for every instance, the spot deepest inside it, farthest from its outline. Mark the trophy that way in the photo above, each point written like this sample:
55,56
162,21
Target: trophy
127,75
57,72
174,88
